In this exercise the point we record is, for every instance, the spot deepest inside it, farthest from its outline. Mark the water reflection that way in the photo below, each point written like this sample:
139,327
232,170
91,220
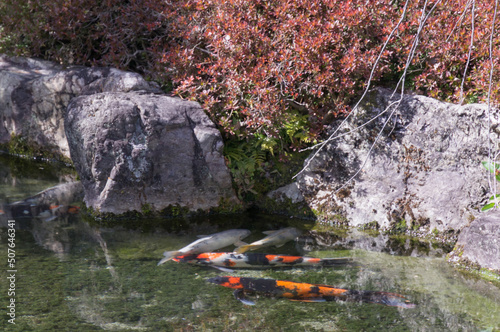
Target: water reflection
84,277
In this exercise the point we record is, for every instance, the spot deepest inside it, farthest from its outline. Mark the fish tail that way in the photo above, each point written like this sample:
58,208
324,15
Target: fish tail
242,249
335,261
168,256
388,299
240,296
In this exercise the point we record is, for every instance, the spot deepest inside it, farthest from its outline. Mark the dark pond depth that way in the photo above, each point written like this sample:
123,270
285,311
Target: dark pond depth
75,276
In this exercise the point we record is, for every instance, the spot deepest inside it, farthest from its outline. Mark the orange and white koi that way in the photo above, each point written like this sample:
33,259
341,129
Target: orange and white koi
305,292
226,260
208,243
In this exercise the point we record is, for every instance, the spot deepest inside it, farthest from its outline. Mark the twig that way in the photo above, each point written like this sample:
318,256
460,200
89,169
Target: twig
491,176
459,22
320,146
470,51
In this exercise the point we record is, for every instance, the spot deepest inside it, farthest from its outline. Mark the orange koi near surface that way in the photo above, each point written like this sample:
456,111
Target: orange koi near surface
305,292
225,260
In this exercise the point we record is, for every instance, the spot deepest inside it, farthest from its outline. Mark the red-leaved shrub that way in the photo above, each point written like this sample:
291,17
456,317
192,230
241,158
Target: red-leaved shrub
273,70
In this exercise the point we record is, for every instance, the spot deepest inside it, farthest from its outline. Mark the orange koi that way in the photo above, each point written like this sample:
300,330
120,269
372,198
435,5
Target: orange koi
226,260
305,292
73,209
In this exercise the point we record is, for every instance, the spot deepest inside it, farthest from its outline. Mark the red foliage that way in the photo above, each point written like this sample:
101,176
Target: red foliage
252,62
444,52
124,34
262,67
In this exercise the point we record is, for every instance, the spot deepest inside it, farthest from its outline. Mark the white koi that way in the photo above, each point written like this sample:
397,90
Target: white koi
209,243
274,238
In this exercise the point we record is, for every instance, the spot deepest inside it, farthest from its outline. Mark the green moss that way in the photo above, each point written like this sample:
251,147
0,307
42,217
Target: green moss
23,147
467,266
227,206
490,275
371,226
146,209
473,269
340,231
284,206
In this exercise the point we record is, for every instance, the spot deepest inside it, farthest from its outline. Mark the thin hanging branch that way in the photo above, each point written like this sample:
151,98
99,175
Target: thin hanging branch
393,105
396,104
459,22
470,51
492,157
320,146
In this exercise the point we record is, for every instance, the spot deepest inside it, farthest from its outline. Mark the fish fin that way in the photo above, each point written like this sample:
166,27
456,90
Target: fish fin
168,256
388,299
49,218
240,296
280,245
242,249
394,300
309,299
223,269
240,243
335,261
330,286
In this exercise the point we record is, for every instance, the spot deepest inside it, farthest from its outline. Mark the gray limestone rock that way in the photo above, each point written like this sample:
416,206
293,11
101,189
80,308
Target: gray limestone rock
479,242
135,150
425,167
34,95
290,191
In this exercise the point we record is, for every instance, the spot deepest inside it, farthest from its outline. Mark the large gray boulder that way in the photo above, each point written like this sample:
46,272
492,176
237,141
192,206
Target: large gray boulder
136,151
479,243
423,172
34,95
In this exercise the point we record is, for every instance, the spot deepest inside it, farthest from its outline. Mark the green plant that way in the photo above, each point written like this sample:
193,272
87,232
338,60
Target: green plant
245,159
401,226
494,168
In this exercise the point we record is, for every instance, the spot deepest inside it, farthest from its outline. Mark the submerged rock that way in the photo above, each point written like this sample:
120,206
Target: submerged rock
47,204
424,170
479,243
136,151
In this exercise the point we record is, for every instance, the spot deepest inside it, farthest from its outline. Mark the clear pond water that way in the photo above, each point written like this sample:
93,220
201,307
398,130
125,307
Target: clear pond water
72,275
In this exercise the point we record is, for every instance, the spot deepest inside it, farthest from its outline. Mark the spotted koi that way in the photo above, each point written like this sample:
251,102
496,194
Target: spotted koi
208,243
256,260
305,292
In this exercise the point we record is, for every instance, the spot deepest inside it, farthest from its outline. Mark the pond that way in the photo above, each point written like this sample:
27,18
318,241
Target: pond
72,275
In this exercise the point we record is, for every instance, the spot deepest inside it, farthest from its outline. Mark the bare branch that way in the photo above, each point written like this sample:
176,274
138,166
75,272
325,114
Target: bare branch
459,22
395,104
320,146
491,158
470,51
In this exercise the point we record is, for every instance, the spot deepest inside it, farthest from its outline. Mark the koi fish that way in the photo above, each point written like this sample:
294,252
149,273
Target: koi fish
224,260
273,238
73,209
305,292
209,243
